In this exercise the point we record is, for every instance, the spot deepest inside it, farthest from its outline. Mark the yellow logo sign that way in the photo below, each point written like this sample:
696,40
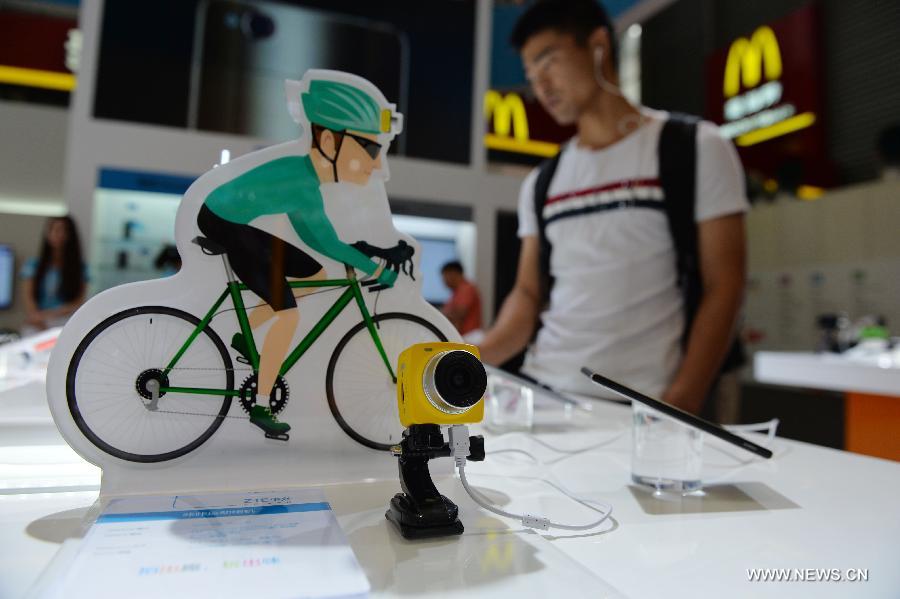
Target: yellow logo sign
748,58
758,114
508,112
510,123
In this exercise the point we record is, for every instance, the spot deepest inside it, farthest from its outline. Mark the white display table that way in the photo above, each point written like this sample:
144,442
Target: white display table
871,386
828,371
808,507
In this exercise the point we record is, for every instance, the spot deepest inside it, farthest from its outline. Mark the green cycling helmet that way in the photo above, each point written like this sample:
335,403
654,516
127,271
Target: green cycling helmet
339,106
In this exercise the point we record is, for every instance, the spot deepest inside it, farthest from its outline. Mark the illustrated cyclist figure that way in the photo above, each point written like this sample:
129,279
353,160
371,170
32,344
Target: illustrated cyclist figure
346,125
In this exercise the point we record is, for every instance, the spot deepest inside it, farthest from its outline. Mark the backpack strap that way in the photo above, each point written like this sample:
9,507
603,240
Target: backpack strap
541,188
678,178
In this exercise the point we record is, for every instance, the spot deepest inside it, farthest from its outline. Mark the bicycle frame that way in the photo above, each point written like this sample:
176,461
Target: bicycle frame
233,290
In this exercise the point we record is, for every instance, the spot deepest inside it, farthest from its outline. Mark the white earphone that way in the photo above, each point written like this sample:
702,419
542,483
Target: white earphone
598,59
598,73
627,124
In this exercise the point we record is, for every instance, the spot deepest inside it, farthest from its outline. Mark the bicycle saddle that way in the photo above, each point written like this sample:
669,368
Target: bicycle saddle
208,246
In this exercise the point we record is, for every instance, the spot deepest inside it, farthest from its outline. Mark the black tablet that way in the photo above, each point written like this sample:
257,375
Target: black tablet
680,415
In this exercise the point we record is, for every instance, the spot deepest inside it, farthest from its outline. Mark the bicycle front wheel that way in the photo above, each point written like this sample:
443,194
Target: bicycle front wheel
361,393
115,368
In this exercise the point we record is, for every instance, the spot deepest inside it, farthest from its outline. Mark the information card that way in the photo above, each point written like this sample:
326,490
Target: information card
273,544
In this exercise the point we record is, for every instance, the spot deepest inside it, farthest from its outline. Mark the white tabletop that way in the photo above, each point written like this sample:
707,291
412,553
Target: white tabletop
808,507
878,375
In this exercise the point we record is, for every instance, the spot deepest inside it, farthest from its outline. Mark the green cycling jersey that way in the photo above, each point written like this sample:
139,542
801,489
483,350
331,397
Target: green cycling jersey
287,185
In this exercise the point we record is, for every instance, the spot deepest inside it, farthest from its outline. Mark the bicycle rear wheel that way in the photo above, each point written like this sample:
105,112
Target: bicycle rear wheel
361,393
112,372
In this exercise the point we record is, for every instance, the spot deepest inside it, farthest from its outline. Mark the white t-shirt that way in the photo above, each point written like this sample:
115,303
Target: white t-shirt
615,306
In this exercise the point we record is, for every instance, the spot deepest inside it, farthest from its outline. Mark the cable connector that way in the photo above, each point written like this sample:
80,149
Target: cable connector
459,443
529,520
538,522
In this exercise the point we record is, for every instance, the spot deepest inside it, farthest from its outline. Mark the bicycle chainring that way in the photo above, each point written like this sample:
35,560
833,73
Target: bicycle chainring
278,398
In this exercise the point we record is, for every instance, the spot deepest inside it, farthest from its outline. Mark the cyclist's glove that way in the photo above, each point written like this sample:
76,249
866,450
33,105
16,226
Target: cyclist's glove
397,257
368,249
400,256
387,277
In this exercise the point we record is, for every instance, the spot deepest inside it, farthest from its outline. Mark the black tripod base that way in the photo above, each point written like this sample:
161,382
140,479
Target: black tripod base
438,521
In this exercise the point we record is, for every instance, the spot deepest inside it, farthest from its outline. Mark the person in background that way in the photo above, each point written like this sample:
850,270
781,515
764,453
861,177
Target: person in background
168,260
464,307
889,152
54,283
632,259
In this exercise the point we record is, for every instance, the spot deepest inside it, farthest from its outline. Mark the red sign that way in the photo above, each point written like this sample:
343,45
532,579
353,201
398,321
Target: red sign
34,41
765,91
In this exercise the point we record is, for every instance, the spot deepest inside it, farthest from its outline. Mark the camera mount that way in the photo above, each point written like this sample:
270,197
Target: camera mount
420,511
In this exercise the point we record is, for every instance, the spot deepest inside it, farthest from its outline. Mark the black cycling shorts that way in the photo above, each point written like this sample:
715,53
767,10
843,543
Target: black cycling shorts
262,261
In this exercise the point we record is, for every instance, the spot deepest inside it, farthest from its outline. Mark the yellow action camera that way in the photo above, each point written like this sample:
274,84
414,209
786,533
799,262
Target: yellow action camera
440,383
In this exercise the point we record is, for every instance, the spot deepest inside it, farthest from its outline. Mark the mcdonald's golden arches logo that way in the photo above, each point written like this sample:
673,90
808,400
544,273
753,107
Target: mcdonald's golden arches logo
759,112
747,59
508,112
510,124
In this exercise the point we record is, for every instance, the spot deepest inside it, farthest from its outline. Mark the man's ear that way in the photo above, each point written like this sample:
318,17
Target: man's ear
326,144
599,38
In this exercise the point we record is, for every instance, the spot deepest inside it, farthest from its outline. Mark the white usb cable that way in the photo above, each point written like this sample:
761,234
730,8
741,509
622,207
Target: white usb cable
769,427
459,445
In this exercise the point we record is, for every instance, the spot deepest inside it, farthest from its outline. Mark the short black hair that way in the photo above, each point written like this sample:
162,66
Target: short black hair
577,17
452,265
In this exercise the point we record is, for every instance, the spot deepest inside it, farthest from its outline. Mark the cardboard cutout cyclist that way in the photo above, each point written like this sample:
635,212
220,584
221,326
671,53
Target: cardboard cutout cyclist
345,124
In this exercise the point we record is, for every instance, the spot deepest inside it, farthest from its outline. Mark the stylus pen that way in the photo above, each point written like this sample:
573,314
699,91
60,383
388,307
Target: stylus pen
680,415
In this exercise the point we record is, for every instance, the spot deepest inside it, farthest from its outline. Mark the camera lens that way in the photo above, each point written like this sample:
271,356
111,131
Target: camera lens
459,379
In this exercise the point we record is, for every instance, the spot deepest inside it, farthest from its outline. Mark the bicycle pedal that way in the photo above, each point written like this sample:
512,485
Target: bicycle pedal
278,436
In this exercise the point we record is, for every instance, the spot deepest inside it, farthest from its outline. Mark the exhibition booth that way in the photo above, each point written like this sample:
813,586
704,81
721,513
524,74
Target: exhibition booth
264,391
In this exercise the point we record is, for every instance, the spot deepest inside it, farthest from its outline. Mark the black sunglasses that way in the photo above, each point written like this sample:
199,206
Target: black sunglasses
371,147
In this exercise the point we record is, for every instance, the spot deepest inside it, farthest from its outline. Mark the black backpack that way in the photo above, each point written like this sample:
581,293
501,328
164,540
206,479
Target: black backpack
677,154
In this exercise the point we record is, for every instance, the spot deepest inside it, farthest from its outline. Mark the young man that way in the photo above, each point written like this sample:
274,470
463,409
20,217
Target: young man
345,124
464,307
616,302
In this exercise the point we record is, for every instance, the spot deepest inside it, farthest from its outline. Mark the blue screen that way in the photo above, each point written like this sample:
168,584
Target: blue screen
435,253
7,272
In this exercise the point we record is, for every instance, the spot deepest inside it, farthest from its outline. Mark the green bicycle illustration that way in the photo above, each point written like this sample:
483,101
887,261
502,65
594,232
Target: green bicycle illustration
153,383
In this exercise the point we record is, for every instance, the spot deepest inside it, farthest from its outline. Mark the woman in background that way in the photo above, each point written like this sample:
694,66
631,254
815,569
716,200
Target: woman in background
54,283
